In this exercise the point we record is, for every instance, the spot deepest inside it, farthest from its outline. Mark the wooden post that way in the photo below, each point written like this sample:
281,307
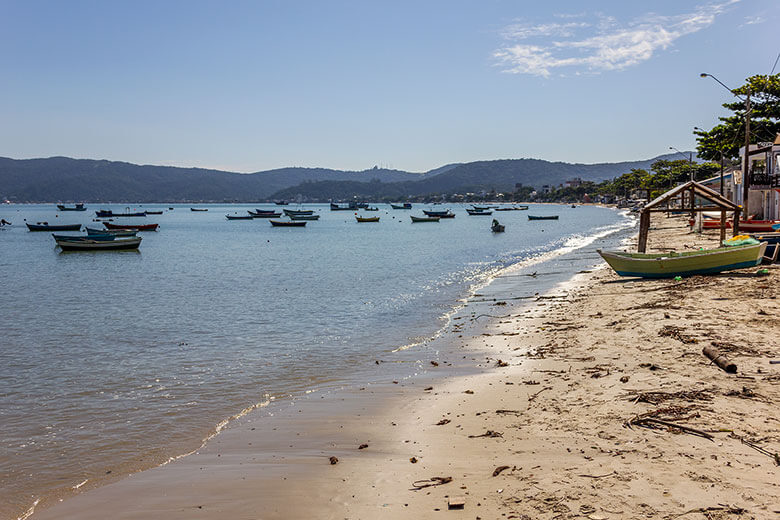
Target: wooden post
644,227
693,198
736,221
722,226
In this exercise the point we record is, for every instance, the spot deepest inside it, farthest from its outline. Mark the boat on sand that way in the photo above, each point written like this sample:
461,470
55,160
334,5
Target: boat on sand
686,263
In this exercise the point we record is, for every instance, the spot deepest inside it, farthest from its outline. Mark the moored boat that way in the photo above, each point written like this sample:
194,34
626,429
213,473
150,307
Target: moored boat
339,207
114,232
367,219
303,217
475,212
287,223
240,217
107,213
199,209
264,214
83,237
281,203
77,207
159,212
687,263
441,214
45,226
139,227
405,205
424,219
542,217
289,212
99,245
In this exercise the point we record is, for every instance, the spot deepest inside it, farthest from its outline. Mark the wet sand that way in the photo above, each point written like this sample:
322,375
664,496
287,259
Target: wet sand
551,423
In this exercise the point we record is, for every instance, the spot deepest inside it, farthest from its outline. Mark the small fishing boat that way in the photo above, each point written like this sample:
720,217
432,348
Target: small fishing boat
687,263
370,209
757,226
496,227
113,232
367,219
264,214
199,209
77,207
154,212
288,223
339,207
708,223
424,219
289,212
99,245
441,214
239,217
480,208
304,217
281,203
475,212
45,226
107,213
543,217
772,244
405,205
83,237
138,227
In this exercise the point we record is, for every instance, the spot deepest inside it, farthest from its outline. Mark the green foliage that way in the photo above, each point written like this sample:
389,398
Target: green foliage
725,139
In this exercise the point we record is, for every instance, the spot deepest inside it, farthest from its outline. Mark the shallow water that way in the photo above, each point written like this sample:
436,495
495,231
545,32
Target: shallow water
116,361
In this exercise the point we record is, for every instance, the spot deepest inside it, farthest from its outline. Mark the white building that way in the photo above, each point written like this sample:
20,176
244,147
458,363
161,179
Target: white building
764,180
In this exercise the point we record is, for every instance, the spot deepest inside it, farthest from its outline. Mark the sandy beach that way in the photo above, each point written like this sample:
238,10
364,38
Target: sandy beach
592,401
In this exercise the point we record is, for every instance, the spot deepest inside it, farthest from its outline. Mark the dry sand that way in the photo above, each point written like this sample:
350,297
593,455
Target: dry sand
555,416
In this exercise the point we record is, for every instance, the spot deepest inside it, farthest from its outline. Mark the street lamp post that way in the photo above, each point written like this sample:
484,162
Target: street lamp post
720,150
745,176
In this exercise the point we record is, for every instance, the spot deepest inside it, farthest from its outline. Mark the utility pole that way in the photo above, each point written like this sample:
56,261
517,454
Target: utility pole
745,173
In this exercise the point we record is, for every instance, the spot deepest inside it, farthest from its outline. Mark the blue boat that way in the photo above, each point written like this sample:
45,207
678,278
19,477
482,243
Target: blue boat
44,226
112,232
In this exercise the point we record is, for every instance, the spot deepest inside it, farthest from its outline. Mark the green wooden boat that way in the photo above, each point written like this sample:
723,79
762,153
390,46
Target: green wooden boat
688,263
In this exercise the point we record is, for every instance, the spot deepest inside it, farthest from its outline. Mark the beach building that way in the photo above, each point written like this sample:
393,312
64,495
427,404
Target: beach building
763,179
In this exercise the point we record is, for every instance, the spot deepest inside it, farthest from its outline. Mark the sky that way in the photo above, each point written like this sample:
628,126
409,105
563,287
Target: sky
412,85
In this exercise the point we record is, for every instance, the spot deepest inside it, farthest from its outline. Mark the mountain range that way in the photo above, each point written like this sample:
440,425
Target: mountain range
66,179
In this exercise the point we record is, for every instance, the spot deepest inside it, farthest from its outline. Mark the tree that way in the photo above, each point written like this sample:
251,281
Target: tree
725,139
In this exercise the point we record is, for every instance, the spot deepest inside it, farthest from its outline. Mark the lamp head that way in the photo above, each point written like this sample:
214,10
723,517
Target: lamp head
703,75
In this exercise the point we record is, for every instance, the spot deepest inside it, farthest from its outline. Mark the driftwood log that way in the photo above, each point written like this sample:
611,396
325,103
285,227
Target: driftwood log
719,359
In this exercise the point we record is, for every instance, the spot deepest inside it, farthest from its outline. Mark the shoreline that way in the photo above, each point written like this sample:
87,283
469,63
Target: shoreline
578,369
67,483
429,348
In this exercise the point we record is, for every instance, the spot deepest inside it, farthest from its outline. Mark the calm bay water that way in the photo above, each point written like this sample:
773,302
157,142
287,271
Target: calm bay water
115,361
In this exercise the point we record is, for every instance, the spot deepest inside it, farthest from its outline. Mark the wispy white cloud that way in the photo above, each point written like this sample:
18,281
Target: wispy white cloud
752,20
599,45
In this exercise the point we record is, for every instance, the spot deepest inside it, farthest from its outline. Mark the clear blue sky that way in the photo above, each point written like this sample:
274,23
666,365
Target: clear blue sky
413,85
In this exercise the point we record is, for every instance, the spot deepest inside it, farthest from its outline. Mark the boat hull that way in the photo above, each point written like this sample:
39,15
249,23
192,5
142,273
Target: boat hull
287,223
99,245
367,219
669,265
138,227
535,217
424,219
47,227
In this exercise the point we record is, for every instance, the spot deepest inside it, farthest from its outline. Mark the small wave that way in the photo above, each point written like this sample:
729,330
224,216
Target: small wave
27,514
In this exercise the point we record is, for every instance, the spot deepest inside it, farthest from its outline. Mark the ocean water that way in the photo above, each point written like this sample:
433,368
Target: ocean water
116,361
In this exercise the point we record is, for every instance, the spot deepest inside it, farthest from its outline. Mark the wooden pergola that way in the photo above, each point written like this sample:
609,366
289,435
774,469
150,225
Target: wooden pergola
693,189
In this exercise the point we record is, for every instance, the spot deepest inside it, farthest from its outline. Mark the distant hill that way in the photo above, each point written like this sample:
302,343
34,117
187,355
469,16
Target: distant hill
499,175
65,179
